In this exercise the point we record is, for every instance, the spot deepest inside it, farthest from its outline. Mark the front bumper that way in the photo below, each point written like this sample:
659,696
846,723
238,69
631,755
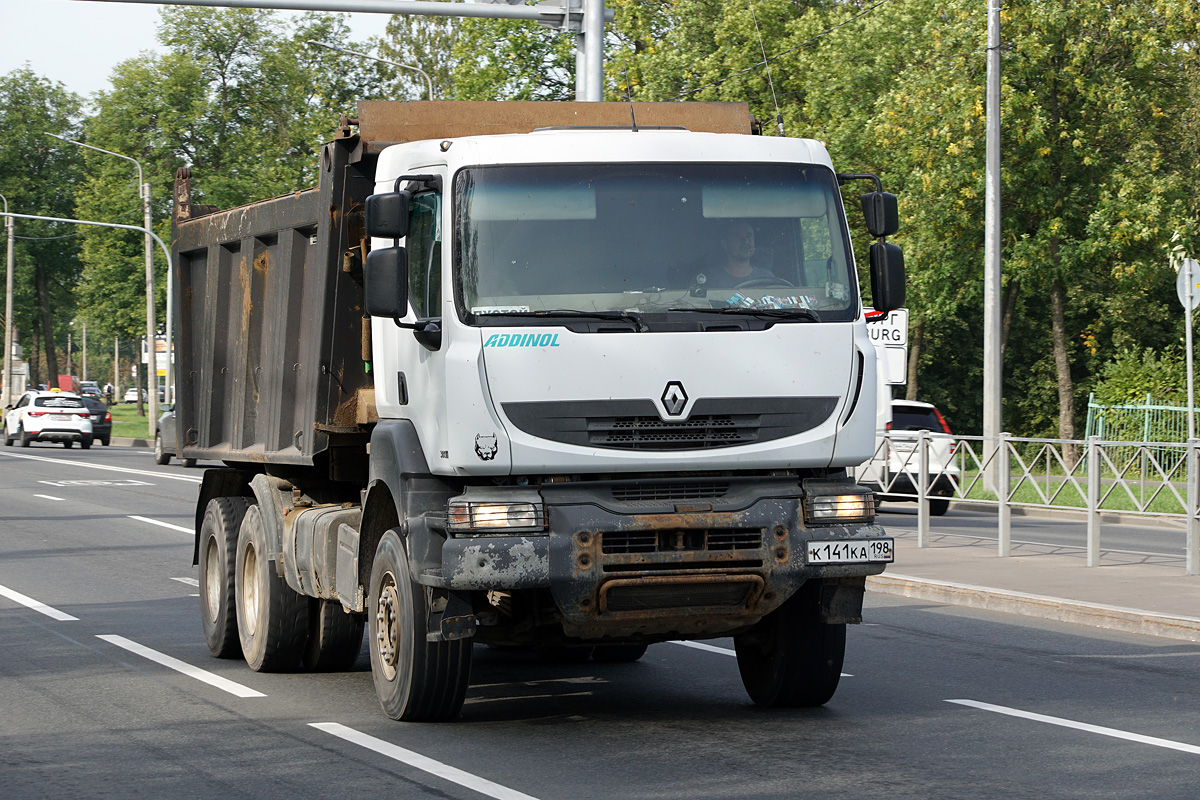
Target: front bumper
679,568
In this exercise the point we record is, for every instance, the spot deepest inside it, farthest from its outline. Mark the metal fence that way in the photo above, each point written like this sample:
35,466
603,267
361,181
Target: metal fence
1152,479
1147,422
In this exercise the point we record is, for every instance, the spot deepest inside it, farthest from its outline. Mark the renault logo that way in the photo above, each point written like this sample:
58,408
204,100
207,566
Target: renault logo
674,399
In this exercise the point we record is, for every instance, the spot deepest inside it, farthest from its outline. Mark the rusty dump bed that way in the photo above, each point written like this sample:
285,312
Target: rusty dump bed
271,332
272,343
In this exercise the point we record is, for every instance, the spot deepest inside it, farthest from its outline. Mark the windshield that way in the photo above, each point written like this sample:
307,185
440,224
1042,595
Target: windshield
677,239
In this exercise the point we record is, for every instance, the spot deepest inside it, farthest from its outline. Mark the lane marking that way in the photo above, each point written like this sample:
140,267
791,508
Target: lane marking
224,684
423,763
48,497
117,482
165,475
725,651
1081,726
188,581
162,524
41,608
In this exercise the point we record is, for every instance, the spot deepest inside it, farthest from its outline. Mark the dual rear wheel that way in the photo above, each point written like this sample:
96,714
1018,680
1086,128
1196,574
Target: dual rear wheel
247,610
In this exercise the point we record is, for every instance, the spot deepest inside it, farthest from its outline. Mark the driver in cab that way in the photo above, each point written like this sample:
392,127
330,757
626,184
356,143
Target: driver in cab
735,249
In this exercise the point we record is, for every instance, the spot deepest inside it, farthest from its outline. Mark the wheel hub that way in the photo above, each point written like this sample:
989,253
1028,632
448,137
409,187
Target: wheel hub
250,591
386,630
212,580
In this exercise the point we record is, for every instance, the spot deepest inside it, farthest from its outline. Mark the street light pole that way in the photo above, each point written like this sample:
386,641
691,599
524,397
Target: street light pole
424,74
8,310
151,366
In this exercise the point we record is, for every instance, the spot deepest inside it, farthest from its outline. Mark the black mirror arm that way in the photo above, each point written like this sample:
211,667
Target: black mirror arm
842,177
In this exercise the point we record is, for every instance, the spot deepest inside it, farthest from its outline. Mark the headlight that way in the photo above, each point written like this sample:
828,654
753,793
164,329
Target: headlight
468,516
834,509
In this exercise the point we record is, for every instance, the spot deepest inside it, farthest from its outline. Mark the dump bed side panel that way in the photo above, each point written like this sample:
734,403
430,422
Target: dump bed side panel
270,364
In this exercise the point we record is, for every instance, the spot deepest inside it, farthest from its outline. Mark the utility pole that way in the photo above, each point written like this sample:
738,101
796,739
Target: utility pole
8,311
993,368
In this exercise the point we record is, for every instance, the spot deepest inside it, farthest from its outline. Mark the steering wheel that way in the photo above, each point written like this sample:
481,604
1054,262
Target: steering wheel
764,283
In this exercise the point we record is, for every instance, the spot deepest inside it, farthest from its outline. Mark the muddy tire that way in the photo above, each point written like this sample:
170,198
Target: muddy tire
618,653
415,680
334,637
791,658
272,618
218,554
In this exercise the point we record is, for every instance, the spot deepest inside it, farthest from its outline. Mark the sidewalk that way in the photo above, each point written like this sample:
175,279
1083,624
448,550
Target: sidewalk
1128,593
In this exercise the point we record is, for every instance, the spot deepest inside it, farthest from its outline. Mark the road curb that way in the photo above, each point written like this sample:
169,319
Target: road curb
121,441
1129,620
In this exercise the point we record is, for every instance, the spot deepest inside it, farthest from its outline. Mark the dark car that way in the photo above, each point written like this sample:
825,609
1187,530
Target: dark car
165,443
101,419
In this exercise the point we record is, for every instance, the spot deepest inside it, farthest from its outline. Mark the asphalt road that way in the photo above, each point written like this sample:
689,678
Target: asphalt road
107,690
1162,541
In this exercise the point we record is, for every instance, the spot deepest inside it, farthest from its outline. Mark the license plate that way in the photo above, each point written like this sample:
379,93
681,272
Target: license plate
60,417
857,551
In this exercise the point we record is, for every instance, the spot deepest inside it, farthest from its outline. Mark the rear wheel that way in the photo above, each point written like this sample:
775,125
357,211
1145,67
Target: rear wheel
85,442
218,551
68,444
26,439
938,506
8,439
272,618
415,679
188,462
334,637
791,658
619,653
161,456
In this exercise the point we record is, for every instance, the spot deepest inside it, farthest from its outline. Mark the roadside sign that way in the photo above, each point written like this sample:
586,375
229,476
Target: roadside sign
890,331
890,336
1192,267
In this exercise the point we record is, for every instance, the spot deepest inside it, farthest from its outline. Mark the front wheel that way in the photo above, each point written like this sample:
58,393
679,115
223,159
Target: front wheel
8,440
161,456
272,617
415,680
792,658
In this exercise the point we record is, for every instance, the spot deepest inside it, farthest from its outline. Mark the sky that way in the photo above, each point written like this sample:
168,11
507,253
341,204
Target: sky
78,42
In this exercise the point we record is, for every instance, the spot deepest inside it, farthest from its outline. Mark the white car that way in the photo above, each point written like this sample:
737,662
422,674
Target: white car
48,417
896,464
131,395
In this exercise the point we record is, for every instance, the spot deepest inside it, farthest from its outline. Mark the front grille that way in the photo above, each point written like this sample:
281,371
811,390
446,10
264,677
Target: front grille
669,491
630,596
652,433
626,542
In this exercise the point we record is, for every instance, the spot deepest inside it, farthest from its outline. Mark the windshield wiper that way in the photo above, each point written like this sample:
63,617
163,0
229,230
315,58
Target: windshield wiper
774,313
624,316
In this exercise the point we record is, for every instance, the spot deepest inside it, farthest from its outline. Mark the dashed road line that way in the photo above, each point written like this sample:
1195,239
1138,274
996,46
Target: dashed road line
48,497
164,475
41,608
203,675
725,651
162,524
424,763
1081,726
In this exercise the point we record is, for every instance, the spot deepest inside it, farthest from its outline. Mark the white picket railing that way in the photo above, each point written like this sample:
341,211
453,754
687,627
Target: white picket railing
1152,479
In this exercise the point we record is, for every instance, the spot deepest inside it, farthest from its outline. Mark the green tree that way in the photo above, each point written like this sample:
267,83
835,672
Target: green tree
37,175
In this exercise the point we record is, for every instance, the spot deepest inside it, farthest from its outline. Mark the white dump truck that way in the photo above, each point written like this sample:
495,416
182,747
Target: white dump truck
572,377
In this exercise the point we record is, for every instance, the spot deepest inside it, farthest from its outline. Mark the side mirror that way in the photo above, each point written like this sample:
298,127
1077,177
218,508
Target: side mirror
387,215
882,213
385,282
887,276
